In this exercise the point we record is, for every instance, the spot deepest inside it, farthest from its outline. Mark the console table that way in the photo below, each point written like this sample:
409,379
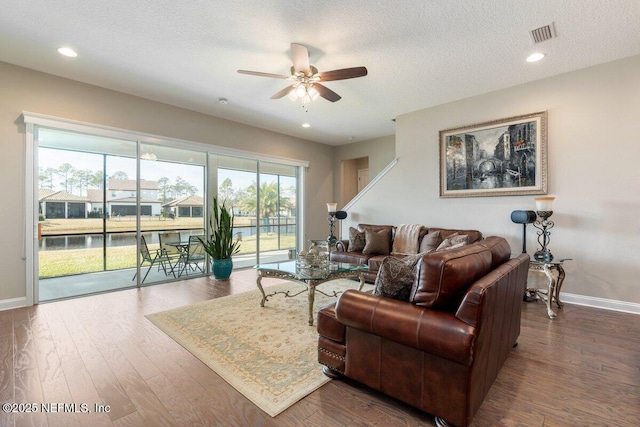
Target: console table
554,284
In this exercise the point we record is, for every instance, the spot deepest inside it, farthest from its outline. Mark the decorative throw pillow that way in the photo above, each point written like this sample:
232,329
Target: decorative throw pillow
454,241
356,240
376,242
394,279
430,242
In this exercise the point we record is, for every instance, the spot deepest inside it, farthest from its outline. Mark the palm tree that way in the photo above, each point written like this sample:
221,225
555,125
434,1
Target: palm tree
271,202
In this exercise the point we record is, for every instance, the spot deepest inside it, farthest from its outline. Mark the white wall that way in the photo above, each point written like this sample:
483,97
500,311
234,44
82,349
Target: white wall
379,151
27,90
593,153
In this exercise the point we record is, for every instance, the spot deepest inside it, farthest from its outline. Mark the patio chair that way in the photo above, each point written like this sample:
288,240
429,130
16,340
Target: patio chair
170,237
157,257
192,257
170,250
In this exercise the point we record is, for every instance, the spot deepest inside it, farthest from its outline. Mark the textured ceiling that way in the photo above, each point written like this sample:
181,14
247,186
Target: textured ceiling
419,53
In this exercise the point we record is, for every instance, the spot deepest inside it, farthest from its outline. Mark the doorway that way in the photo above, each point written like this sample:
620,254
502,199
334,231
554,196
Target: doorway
355,177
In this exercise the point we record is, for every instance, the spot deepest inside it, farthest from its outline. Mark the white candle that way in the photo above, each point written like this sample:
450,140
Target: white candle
332,207
544,204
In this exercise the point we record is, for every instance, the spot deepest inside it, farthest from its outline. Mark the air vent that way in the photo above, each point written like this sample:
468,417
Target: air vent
543,33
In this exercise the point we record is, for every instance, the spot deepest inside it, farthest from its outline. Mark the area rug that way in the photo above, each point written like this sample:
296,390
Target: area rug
268,354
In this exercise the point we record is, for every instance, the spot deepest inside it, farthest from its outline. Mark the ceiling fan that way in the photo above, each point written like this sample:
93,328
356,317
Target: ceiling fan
306,78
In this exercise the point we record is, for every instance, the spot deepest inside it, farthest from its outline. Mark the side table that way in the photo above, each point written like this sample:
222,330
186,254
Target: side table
554,284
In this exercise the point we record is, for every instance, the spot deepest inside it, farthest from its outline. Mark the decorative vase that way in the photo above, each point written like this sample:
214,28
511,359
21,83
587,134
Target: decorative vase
222,268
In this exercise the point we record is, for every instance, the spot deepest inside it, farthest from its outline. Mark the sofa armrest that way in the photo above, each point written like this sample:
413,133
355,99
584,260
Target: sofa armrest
342,245
435,332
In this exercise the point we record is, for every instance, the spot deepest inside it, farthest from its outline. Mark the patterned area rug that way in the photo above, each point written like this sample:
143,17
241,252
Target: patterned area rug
268,354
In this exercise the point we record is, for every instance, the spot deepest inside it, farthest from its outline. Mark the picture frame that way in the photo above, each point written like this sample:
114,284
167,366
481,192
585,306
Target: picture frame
506,157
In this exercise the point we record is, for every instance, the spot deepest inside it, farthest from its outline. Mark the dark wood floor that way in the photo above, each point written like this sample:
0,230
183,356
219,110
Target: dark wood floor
583,369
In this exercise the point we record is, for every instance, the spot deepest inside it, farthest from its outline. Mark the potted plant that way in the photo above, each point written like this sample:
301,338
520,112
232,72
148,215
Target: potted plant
221,245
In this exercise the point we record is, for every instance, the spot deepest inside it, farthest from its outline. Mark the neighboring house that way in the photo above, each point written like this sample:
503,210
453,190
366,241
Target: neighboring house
120,199
188,206
59,204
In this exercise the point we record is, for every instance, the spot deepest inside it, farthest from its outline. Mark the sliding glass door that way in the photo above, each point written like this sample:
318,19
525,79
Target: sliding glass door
278,207
264,200
117,210
172,209
79,234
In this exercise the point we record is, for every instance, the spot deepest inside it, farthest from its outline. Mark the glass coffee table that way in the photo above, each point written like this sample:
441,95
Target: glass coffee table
309,277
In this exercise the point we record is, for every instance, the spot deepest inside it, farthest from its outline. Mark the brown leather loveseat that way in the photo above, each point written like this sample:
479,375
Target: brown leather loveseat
442,350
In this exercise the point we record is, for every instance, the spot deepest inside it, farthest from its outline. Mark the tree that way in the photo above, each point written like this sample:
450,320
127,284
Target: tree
183,188
226,191
82,178
64,171
119,175
46,178
271,204
97,179
164,185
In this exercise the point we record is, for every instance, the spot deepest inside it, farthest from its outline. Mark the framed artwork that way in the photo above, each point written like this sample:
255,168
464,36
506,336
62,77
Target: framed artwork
506,157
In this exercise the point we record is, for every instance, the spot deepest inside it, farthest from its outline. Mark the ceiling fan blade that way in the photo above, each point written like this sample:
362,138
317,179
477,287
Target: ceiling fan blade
327,93
300,56
284,92
343,74
258,73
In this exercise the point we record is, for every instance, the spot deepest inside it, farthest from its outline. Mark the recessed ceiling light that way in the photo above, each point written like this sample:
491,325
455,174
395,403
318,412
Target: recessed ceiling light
535,57
306,125
67,51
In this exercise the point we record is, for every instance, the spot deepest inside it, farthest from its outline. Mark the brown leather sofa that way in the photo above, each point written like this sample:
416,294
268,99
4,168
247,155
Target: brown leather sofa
342,254
442,350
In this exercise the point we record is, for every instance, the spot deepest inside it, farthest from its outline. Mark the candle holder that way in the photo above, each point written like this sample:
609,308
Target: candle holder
544,211
544,254
332,239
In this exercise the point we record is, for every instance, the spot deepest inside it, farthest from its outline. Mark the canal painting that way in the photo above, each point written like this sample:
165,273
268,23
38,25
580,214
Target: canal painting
499,158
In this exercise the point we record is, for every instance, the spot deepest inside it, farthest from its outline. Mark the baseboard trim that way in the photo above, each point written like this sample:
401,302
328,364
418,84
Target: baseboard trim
603,303
11,303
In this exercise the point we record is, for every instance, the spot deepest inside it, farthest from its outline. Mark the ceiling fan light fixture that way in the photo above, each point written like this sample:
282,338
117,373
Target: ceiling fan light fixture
313,93
301,91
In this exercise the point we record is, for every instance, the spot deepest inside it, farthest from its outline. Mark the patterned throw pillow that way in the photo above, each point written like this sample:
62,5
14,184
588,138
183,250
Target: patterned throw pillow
356,240
454,241
394,279
376,242
430,242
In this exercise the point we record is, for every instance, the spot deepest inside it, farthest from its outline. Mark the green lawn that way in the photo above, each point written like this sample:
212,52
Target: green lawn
76,261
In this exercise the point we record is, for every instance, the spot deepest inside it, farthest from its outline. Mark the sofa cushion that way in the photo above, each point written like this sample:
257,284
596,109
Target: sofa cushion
394,279
356,240
377,242
430,242
474,235
454,241
442,277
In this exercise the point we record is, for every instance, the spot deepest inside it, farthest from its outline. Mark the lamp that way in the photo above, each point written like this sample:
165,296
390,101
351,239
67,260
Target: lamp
334,215
544,210
524,218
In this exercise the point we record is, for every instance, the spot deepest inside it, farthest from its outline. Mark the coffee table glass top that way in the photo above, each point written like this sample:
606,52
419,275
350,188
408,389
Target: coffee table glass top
289,267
